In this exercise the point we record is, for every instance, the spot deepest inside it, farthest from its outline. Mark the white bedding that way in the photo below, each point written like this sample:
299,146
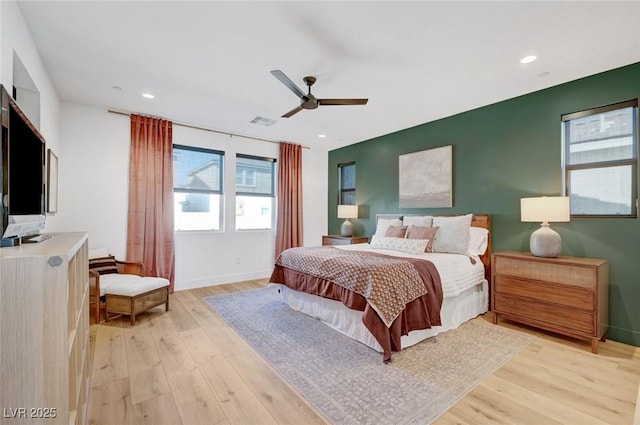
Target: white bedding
457,272
465,292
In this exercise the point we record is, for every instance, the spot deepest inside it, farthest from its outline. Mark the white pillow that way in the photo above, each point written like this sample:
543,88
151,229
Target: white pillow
453,234
384,223
418,220
478,240
409,246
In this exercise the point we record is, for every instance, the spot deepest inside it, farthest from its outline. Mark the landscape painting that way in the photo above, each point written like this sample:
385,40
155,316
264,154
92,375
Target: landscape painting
425,178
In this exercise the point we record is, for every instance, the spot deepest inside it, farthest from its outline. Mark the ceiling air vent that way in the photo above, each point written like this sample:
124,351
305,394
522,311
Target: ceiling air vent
267,122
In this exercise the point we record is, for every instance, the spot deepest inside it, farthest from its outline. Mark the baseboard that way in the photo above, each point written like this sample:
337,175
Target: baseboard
625,336
220,280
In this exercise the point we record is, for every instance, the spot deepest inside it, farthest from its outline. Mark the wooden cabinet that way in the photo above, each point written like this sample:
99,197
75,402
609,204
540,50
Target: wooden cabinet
565,295
44,331
343,240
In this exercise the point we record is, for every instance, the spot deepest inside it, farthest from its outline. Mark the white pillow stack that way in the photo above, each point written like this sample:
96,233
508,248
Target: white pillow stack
455,235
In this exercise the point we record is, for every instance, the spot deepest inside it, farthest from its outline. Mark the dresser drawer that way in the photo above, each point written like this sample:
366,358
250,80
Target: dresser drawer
555,317
335,241
343,240
571,296
566,274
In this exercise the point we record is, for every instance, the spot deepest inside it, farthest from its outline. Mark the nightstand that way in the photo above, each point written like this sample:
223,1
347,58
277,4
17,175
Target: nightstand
565,295
343,240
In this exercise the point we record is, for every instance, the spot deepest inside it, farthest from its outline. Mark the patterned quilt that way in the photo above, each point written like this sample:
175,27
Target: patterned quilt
387,283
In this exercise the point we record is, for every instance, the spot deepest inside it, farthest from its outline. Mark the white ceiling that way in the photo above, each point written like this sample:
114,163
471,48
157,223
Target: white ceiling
208,63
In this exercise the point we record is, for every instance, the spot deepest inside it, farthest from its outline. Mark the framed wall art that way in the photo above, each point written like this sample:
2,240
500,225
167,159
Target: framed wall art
52,182
425,178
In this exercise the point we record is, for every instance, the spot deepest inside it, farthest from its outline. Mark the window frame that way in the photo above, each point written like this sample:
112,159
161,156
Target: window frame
634,161
341,189
219,192
271,194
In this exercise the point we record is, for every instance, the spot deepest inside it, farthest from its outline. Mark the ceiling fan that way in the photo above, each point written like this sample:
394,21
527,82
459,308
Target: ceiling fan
309,101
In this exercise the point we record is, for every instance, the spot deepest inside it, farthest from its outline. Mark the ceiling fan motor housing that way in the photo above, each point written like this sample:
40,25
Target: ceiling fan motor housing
309,102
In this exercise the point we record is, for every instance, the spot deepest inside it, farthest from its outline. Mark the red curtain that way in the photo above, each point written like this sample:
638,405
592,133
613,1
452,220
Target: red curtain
150,215
289,223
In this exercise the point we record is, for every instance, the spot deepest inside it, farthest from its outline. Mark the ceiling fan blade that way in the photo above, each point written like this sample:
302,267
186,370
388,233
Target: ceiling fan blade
287,82
293,111
342,101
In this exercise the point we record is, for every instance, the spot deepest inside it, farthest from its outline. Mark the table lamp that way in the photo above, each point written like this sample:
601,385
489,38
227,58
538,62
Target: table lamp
347,212
545,242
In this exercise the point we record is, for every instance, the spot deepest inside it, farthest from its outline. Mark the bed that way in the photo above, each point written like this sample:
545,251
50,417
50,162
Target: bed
453,279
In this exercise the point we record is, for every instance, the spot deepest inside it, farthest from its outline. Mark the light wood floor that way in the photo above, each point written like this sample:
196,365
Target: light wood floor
187,366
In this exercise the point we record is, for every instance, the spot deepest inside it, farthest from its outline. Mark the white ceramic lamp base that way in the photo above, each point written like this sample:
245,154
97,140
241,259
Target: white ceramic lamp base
347,228
545,242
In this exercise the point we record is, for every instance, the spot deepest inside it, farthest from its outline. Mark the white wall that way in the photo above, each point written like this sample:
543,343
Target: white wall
93,150
15,37
93,175
94,186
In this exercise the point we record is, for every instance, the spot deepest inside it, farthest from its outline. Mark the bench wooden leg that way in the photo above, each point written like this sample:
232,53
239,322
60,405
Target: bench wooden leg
132,309
120,304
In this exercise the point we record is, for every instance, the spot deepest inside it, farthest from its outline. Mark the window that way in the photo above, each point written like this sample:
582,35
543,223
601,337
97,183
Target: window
600,156
197,188
255,192
347,183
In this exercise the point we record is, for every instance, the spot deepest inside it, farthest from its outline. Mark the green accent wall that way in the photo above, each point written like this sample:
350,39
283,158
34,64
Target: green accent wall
501,153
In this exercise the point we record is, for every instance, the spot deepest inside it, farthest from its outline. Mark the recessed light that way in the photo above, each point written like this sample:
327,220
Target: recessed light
528,59
322,136
148,95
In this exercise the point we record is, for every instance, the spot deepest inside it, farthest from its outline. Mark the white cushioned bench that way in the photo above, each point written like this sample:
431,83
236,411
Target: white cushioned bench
132,294
123,287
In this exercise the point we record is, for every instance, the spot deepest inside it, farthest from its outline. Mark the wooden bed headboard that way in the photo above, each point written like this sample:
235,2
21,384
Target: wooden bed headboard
478,220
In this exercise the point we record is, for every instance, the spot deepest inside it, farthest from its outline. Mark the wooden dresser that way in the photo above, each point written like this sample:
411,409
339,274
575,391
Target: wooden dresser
565,294
44,331
343,240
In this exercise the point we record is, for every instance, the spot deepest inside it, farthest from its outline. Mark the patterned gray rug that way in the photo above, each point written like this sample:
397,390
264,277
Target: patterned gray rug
347,381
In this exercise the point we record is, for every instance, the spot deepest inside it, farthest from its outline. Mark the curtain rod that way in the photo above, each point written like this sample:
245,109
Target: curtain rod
113,111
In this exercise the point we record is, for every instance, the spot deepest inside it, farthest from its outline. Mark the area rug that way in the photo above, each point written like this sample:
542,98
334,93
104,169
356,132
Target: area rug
347,381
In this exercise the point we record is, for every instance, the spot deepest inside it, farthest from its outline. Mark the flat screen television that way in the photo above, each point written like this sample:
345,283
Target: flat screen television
23,173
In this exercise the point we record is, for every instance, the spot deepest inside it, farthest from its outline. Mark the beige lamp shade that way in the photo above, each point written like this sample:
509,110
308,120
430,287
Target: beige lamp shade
347,211
545,209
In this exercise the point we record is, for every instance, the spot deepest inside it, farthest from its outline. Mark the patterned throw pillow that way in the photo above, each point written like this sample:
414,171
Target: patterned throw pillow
103,265
410,246
396,232
419,232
